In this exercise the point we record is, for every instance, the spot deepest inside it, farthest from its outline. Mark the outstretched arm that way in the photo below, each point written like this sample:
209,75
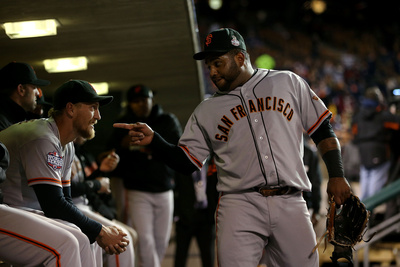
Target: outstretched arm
140,133
172,155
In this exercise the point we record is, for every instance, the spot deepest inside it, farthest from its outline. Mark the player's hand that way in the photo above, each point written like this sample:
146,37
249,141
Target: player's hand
140,133
339,189
110,162
315,219
112,239
105,185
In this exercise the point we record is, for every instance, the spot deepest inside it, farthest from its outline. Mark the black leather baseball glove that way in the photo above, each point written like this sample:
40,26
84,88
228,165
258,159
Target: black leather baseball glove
346,227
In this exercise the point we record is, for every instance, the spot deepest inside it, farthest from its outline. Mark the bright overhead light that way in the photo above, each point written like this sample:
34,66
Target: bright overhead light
101,88
65,64
33,28
318,6
215,4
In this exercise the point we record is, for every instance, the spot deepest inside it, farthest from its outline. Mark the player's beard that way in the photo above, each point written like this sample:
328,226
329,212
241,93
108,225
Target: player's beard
87,132
225,80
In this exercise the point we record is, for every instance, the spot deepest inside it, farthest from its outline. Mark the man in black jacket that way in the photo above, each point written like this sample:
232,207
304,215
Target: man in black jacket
148,180
19,91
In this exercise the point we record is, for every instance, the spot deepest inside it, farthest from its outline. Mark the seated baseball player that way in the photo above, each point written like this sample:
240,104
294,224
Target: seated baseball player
41,154
29,239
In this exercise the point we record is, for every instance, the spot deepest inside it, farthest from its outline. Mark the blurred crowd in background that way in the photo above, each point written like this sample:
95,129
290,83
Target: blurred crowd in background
340,53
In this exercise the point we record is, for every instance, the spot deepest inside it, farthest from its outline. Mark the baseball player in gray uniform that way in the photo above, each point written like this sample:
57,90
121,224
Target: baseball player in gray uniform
41,154
253,127
27,239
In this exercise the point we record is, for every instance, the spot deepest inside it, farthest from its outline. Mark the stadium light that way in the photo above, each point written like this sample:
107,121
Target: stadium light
101,88
215,4
29,29
65,64
318,6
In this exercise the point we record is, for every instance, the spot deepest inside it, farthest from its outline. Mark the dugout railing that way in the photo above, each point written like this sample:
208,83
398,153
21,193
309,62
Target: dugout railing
382,229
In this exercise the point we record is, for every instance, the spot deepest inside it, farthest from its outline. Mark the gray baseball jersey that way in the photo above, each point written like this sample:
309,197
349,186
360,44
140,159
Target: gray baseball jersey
36,157
31,239
255,131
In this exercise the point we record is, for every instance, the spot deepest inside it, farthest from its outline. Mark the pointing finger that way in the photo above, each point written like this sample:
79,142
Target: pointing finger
127,126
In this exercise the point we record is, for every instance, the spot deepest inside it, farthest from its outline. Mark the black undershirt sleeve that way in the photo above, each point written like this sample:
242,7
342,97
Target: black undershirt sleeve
172,155
332,158
56,203
324,131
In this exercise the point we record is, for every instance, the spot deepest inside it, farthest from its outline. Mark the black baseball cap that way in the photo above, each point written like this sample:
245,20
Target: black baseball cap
15,73
139,90
221,41
76,91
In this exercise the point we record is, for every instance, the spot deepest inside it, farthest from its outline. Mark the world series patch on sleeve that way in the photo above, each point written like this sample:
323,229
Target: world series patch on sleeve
345,227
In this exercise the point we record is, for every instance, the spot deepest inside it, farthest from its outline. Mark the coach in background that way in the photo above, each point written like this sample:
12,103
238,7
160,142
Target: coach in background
375,131
148,180
41,154
18,92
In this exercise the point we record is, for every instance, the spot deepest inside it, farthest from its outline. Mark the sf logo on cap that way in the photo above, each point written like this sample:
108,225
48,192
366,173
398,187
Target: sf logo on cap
208,39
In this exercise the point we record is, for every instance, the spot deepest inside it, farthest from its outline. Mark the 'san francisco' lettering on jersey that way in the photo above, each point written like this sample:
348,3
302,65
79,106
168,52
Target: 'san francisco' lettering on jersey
269,103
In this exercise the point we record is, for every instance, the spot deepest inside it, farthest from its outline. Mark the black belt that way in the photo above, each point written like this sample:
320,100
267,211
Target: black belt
269,192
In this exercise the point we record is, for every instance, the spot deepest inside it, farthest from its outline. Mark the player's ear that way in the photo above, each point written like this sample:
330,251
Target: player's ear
69,109
21,90
240,58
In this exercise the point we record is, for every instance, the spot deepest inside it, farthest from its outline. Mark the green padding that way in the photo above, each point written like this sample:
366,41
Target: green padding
388,192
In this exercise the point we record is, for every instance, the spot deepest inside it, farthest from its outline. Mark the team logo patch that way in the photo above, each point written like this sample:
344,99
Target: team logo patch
54,160
234,41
